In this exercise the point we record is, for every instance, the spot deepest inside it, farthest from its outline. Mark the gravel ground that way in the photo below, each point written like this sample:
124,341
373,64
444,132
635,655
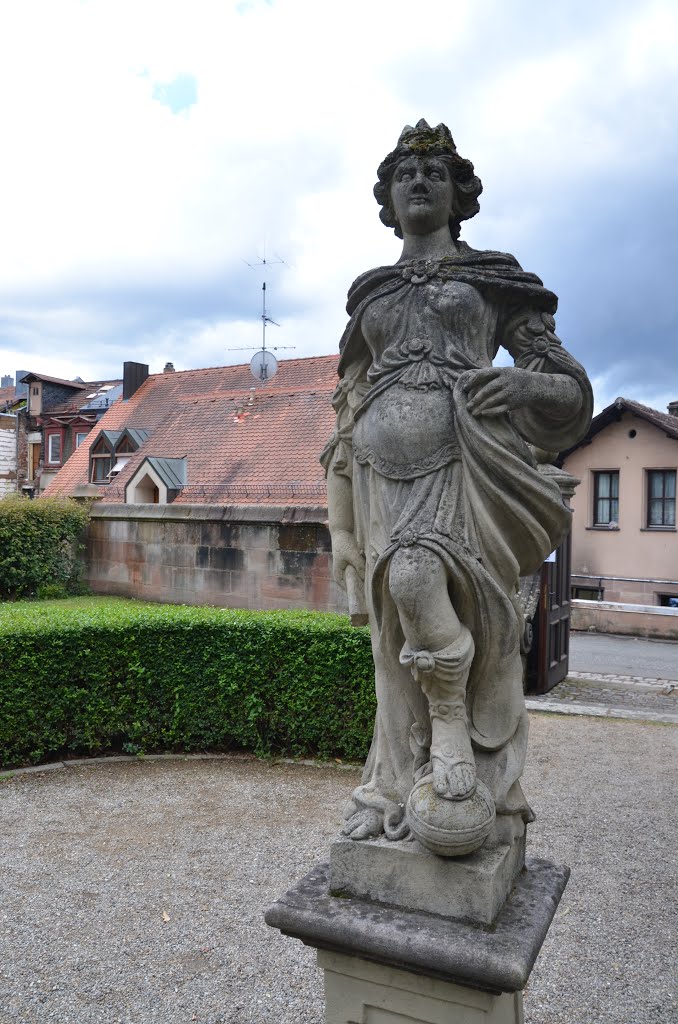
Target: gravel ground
134,892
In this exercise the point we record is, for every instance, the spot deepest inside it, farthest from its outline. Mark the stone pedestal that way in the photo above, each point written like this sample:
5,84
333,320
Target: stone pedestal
387,964
360,992
405,874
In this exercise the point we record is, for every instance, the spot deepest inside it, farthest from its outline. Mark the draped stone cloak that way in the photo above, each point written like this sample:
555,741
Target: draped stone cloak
425,472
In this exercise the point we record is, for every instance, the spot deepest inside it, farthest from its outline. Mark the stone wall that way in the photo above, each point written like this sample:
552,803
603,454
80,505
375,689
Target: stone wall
629,591
233,557
625,619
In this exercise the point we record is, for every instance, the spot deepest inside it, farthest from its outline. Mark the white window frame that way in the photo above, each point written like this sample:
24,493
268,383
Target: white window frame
51,461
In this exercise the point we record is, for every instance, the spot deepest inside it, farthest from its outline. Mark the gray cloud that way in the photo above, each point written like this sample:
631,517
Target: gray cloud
567,111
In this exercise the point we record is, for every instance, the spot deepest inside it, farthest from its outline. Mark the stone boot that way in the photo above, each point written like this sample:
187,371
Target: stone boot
442,676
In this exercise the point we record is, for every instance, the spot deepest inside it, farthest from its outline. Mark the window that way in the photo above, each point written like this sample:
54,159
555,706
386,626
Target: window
100,462
119,465
54,449
125,445
606,498
80,437
587,593
661,498
668,600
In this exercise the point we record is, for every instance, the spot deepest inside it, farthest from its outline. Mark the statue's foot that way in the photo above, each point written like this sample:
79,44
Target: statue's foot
454,780
452,762
365,824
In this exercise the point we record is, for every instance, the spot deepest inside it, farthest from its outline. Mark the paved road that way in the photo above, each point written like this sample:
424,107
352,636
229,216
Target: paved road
623,656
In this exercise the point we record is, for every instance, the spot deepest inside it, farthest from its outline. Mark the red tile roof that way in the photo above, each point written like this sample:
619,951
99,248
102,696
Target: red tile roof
664,420
244,442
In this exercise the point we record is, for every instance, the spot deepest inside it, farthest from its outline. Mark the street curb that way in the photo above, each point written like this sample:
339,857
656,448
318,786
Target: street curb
83,762
642,684
556,707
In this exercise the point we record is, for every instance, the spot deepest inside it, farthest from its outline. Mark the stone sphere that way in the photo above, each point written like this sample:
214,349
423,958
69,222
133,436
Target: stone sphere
449,828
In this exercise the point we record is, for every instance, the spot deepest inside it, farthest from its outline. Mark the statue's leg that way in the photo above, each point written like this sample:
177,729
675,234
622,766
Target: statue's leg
439,650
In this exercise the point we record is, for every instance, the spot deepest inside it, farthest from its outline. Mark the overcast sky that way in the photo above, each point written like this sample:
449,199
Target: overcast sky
151,148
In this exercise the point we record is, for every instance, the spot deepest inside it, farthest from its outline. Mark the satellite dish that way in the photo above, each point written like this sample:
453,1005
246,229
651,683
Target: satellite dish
263,365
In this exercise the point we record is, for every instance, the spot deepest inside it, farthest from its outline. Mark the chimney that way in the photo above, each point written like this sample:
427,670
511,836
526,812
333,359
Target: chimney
169,368
673,408
133,376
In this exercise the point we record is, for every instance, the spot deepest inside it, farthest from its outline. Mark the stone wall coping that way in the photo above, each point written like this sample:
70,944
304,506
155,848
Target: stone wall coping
316,514
614,606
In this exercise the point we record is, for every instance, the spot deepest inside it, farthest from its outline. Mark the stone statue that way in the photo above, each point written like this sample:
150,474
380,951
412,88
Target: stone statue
437,506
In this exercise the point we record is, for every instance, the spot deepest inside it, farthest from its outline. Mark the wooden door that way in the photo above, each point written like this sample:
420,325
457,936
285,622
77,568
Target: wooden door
547,661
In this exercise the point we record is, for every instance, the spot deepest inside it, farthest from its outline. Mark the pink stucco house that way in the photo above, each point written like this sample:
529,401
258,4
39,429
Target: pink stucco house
624,539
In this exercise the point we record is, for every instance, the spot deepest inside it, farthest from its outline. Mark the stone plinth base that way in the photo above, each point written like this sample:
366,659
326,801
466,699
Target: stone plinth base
358,990
493,959
407,875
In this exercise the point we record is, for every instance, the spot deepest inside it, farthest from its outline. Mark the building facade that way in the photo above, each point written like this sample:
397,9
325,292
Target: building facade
53,417
624,539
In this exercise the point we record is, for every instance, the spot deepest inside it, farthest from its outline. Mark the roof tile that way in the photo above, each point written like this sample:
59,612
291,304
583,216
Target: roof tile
243,441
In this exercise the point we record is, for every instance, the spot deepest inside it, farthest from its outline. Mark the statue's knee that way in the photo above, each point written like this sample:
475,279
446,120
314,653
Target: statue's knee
413,572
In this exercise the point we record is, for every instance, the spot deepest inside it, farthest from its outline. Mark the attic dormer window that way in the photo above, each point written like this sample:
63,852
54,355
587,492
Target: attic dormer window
125,445
101,459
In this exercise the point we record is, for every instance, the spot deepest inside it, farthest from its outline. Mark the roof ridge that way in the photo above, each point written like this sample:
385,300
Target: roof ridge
646,408
244,366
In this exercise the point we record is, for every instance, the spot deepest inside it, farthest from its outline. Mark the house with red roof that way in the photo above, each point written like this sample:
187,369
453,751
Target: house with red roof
209,487
209,436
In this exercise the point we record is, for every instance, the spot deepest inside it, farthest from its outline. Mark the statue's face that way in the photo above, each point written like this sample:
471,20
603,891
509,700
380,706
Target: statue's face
422,194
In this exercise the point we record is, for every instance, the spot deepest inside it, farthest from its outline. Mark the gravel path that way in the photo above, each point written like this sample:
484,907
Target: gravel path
134,892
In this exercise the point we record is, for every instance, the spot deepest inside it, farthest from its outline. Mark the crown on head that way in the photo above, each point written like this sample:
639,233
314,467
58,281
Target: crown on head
422,138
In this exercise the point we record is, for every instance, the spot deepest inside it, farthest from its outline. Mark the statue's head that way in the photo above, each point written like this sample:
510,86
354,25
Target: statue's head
424,141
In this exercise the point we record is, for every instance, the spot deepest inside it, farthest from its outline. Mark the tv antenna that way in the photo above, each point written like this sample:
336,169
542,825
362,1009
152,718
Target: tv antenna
263,363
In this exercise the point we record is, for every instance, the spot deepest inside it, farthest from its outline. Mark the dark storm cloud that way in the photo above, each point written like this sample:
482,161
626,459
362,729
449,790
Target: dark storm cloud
589,201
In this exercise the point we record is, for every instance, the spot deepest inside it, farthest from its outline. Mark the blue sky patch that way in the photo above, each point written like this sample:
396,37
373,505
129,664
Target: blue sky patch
179,95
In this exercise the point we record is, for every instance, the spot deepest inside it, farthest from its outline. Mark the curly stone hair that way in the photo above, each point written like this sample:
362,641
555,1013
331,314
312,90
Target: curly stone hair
422,140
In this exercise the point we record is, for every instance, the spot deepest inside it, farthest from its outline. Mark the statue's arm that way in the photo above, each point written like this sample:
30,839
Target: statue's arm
547,392
337,460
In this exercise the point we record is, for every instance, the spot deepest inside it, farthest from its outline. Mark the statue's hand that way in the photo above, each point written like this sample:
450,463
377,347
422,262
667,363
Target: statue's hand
345,552
501,389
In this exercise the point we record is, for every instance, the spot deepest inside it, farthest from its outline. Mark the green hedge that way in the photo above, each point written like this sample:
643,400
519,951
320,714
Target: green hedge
94,676
39,546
